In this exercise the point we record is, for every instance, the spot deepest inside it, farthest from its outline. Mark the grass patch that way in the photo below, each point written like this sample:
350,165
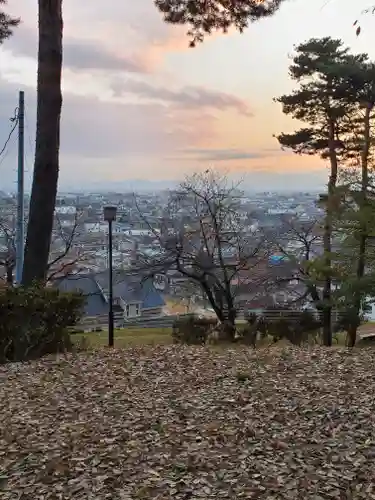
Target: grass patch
127,337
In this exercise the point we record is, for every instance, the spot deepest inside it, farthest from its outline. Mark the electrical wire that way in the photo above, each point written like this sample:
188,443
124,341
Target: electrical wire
6,152
14,119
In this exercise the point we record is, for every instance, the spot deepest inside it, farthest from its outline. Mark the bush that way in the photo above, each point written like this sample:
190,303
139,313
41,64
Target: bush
192,330
348,319
248,334
290,324
34,321
255,327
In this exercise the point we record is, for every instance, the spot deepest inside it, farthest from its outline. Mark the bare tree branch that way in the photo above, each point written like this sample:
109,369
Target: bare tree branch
58,264
212,249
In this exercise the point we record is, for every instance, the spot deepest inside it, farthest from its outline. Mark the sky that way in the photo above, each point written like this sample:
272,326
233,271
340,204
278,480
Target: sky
140,105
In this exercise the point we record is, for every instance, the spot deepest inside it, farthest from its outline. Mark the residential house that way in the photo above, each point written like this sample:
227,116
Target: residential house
134,295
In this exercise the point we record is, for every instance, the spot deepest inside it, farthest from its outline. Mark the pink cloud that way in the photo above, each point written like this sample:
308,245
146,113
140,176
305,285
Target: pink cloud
187,98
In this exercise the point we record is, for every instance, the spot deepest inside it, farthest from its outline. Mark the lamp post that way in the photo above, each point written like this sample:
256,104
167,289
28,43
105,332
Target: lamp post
110,216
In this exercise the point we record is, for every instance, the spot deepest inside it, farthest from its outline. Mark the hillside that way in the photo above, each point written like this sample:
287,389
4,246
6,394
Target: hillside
187,423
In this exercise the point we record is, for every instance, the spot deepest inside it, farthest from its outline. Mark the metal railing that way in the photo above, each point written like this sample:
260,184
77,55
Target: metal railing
101,322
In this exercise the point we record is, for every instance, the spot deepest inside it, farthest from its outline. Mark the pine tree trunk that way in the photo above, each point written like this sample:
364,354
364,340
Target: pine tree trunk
327,326
351,337
46,166
327,238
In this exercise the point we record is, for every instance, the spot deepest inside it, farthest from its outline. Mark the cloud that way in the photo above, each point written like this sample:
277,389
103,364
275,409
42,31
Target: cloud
221,154
103,143
189,97
78,54
230,154
120,36
95,128
107,139
152,125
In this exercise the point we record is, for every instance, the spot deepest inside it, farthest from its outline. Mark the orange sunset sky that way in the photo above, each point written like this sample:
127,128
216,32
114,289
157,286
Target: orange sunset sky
139,104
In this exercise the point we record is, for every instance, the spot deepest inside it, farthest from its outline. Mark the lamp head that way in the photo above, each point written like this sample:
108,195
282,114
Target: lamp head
109,213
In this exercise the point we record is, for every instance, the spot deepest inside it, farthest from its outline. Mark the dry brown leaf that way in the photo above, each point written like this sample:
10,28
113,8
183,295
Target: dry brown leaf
175,422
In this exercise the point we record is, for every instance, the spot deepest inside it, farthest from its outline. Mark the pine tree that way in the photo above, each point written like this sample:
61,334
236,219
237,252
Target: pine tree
204,17
320,102
357,221
47,144
7,23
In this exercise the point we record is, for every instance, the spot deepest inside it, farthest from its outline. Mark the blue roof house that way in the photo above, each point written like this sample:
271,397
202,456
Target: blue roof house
134,295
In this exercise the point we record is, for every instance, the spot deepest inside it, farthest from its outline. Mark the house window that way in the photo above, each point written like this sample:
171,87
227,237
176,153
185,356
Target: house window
137,310
127,310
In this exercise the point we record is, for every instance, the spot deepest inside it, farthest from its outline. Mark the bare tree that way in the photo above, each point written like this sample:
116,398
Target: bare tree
301,245
210,247
62,262
8,256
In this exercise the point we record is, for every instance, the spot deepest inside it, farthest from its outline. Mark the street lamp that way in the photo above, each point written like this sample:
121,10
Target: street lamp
110,216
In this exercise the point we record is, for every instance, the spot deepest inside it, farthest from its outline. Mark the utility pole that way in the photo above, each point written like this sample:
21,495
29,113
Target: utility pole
20,188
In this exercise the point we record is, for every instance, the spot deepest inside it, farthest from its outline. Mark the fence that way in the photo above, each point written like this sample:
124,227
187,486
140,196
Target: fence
98,322
101,322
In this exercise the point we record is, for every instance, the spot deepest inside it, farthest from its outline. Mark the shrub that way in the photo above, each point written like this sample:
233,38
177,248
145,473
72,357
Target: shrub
83,344
248,334
348,319
34,321
254,329
290,324
192,329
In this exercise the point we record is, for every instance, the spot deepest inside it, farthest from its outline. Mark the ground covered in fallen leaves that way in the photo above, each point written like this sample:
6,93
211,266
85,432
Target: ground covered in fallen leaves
190,423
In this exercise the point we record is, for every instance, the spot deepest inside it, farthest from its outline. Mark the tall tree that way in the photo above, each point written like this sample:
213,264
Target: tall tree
204,17
7,23
46,166
316,67
201,16
357,218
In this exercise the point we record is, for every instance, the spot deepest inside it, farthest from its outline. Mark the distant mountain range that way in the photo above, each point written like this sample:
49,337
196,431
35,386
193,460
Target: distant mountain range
256,181
136,185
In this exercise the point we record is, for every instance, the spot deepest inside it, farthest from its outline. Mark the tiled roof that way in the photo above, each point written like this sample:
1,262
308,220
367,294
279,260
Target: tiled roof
129,287
95,302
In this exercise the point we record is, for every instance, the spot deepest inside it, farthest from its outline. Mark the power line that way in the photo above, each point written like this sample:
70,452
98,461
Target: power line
14,120
7,151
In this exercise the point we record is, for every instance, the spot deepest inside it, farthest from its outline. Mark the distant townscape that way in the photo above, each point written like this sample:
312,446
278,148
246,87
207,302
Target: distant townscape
143,287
